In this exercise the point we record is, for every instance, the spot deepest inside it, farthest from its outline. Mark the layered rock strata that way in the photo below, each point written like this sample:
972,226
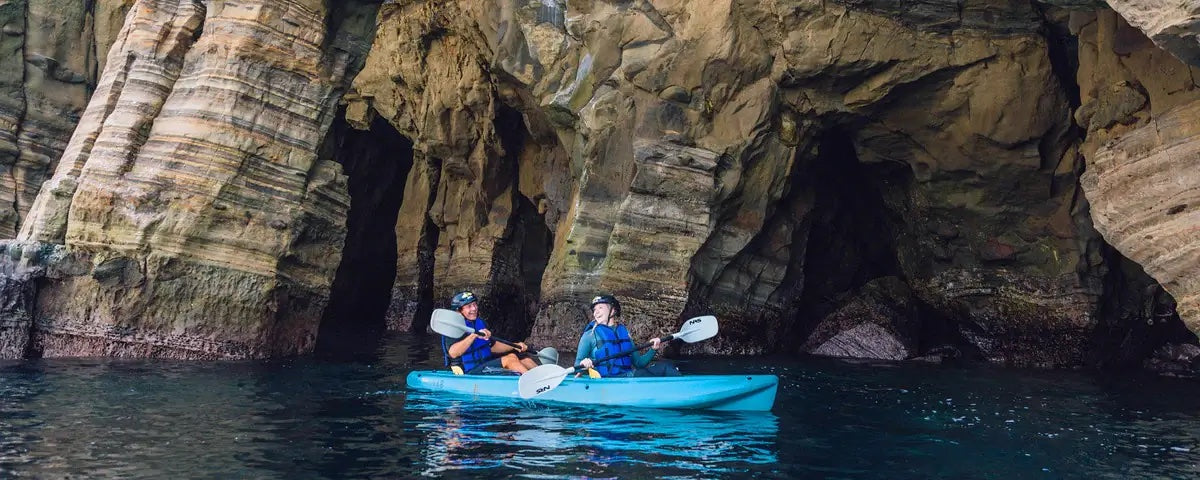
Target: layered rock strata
868,178
1174,26
695,139
201,221
51,52
1140,106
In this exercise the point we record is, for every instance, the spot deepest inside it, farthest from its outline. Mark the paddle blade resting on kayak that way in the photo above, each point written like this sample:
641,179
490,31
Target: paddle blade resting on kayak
548,356
546,377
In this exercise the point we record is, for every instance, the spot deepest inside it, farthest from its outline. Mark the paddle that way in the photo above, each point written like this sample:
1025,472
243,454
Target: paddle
452,324
546,377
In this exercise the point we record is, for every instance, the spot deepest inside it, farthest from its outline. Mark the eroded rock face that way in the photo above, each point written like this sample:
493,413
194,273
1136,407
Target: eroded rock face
879,323
1174,26
1139,106
837,177
474,211
47,71
202,222
759,161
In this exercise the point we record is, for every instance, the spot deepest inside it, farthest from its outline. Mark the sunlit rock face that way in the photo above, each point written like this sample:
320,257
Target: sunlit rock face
1173,26
50,53
1140,106
762,161
190,202
869,178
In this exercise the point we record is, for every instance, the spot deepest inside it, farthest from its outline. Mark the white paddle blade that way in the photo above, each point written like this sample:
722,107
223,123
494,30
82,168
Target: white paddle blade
548,356
540,380
449,323
698,329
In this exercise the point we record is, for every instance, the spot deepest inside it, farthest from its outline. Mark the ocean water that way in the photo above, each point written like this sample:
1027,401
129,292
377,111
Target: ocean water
352,418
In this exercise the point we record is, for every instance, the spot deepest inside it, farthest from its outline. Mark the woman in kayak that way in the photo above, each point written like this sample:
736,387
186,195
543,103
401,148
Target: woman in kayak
605,335
479,354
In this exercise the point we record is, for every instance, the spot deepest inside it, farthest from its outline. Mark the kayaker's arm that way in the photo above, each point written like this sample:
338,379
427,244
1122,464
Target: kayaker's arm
458,348
641,359
499,348
585,348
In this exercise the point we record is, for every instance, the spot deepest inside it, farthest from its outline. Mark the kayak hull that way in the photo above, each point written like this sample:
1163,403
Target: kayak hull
701,392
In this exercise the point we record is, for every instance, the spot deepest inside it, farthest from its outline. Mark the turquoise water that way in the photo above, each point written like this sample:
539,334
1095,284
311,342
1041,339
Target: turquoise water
326,418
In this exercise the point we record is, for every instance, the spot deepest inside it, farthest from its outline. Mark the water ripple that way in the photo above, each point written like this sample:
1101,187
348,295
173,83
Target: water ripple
311,418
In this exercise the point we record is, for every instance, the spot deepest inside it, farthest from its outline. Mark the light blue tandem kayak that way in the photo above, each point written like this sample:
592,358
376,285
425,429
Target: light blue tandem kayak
702,392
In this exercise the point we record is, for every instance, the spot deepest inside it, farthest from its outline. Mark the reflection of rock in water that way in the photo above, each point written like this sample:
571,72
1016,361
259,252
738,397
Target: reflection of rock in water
468,433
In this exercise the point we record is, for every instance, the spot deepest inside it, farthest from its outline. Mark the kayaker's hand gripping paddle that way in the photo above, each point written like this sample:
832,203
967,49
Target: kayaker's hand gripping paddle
546,377
452,324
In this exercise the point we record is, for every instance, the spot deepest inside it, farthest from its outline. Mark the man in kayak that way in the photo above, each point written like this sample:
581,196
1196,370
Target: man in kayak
478,353
605,335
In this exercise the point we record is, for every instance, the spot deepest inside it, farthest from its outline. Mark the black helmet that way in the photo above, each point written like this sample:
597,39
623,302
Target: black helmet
609,299
462,299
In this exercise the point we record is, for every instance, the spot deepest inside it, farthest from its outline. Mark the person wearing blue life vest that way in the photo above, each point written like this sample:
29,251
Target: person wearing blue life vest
477,353
605,335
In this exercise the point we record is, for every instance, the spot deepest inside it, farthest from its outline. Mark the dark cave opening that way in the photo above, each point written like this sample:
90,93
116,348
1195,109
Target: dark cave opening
1062,47
1137,316
851,238
858,218
516,293
426,252
520,260
377,163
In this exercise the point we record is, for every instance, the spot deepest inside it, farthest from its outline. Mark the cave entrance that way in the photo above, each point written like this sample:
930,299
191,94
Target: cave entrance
1137,317
852,238
377,162
862,214
520,260
859,216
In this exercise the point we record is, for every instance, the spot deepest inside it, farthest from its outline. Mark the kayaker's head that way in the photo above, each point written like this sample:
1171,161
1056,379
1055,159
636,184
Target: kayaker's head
606,309
467,304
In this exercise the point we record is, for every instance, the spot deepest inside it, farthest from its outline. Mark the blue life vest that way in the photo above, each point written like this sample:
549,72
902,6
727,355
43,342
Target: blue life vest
609,341
479,352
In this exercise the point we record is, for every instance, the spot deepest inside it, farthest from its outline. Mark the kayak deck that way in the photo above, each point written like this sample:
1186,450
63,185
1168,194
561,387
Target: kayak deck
708,392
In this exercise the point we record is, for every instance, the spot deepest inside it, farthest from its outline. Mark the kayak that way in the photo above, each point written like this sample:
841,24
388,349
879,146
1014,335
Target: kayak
706,392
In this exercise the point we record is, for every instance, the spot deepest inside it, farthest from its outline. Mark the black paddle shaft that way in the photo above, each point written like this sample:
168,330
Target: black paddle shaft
600,360
511,344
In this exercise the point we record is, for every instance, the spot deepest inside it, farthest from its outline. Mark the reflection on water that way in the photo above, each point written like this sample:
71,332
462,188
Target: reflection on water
537,435
352,418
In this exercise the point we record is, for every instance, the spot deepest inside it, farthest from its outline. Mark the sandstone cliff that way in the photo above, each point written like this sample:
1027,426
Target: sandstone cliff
52,51
189,215
762,160
868,178
1140,108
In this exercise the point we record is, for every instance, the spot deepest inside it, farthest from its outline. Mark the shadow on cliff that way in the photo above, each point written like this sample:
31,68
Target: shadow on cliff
376,162
523,251
856,300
